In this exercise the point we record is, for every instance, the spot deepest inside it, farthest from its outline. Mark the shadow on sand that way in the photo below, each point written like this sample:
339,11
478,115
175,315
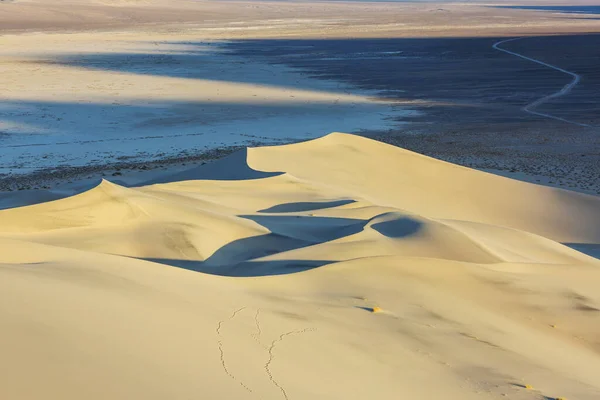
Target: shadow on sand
241,257
233,167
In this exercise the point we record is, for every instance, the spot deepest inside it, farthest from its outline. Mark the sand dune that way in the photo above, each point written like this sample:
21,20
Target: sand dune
256,277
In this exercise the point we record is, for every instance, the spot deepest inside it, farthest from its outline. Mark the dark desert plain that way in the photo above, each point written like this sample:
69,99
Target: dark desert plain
299,200
465,98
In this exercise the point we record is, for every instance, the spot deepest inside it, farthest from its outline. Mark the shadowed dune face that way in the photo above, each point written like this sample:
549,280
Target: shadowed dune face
230,168
398,228
305,206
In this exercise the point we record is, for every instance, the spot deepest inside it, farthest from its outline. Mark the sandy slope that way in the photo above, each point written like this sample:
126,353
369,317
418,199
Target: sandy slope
254,277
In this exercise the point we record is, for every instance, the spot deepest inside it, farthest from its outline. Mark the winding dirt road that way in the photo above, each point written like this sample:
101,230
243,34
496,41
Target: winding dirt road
562,92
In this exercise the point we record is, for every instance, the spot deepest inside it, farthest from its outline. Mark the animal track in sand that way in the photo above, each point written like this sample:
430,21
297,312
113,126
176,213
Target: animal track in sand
272,356
256,336
220,344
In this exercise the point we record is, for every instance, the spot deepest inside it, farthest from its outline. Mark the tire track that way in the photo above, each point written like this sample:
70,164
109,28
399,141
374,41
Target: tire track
562,92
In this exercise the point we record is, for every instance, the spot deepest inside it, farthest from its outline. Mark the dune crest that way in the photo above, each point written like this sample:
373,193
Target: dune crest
189,285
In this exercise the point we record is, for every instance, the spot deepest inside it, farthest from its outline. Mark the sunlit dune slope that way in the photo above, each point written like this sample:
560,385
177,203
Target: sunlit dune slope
257,276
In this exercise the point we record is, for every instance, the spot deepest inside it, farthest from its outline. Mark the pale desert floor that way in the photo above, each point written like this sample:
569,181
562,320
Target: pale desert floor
334,268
